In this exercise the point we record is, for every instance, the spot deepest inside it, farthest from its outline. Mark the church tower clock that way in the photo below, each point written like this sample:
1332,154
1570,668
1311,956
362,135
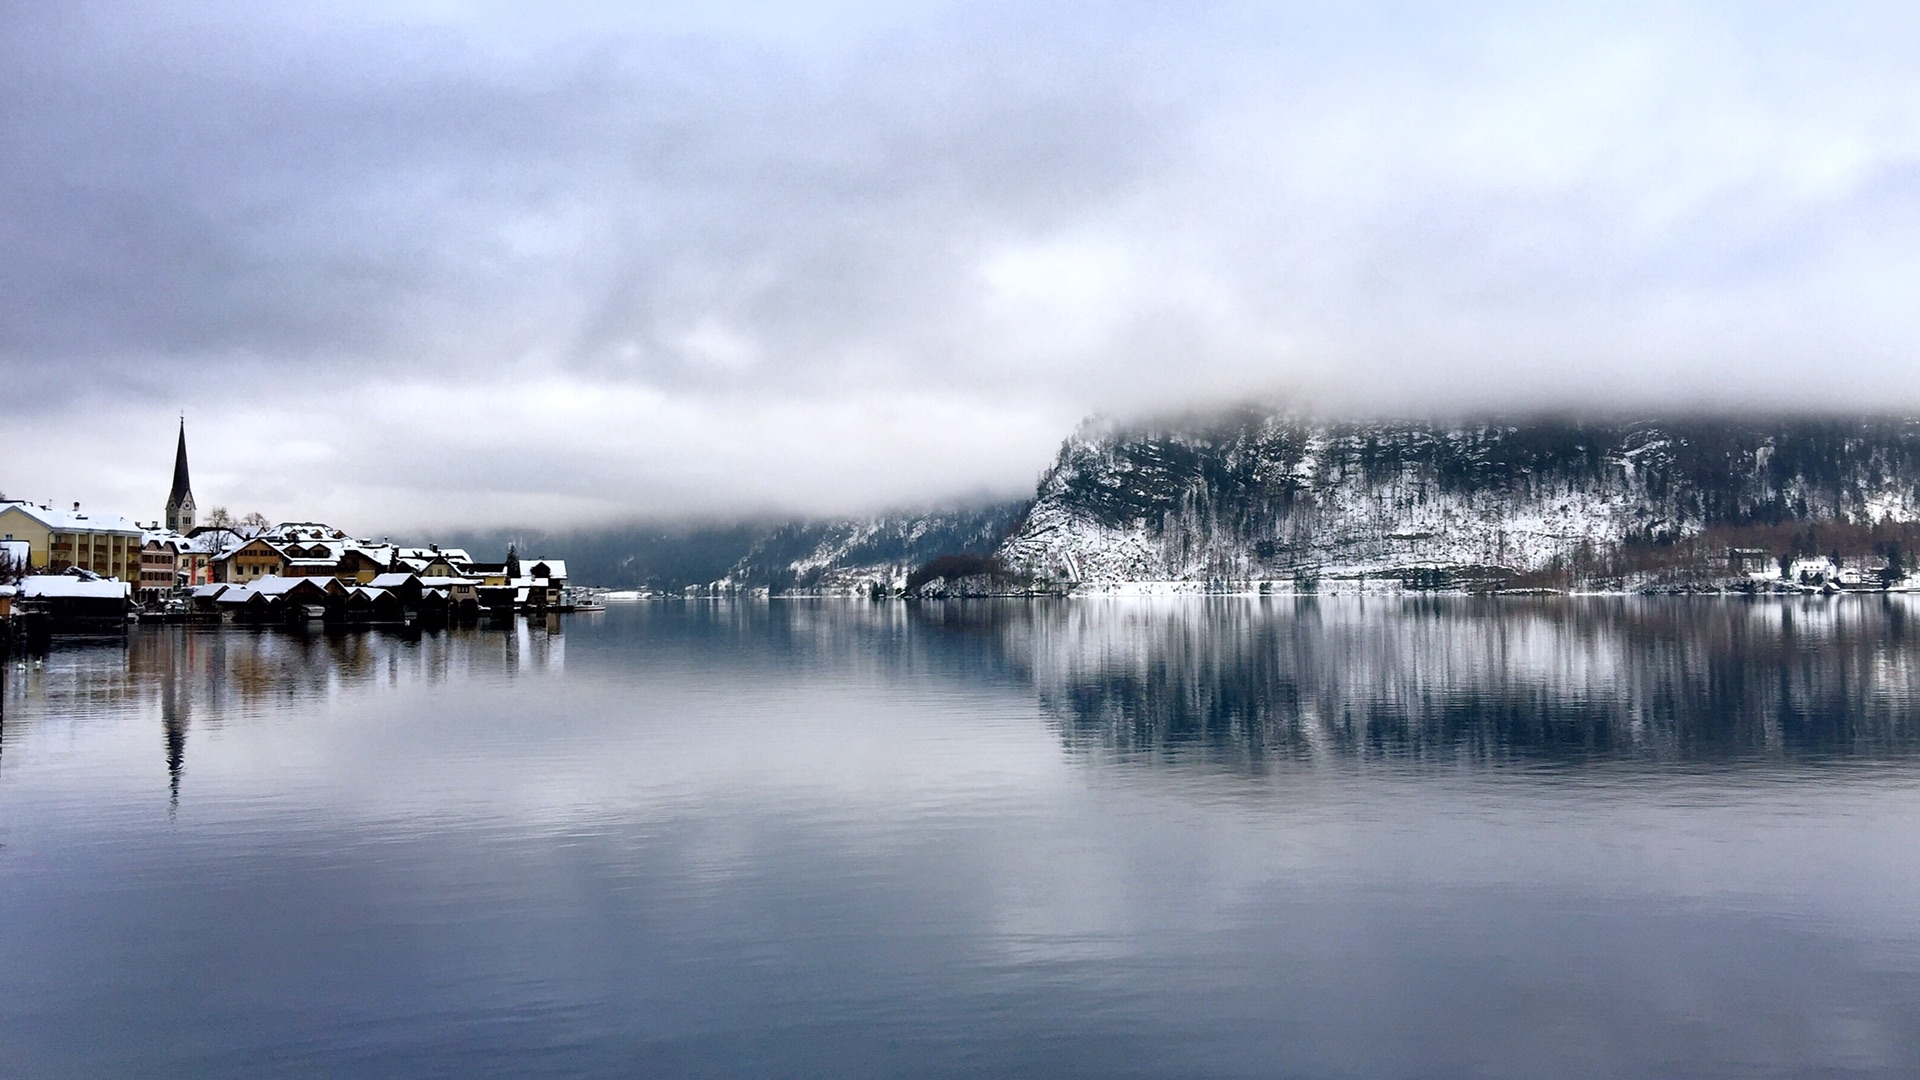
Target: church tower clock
180,500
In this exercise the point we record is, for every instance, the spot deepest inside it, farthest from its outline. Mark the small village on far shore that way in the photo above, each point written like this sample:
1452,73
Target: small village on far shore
68,569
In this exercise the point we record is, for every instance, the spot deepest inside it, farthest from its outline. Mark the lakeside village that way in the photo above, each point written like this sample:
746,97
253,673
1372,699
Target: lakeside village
67,570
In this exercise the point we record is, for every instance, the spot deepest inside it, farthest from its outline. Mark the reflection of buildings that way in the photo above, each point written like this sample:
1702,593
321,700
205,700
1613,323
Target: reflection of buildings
176,706
191,676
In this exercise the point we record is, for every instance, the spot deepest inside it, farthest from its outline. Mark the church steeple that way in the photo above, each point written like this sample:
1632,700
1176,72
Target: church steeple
180,500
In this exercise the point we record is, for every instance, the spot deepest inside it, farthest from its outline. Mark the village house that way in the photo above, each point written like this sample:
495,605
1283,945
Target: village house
159,563
195,564
358,565
430,561
314,558
104,544
76,597
462,592
168,560
1757,564
251,561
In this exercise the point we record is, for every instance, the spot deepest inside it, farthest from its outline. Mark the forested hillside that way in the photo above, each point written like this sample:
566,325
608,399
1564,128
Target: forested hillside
1544,501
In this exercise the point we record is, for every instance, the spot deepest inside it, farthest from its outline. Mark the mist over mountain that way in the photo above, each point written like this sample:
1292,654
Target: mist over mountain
1269,498
853,554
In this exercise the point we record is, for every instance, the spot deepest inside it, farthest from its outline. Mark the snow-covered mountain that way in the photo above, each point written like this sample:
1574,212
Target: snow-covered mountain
1276,497
860,555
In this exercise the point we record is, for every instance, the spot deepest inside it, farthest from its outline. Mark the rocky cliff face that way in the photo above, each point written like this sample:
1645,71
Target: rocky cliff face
1271,496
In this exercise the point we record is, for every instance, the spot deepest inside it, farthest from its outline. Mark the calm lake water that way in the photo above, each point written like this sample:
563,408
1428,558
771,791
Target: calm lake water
1180,838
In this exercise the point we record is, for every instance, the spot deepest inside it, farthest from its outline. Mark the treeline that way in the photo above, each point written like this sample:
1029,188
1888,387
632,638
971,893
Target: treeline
1262,495
1250,468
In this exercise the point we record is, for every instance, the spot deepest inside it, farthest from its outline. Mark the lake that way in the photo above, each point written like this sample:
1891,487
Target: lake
1199,837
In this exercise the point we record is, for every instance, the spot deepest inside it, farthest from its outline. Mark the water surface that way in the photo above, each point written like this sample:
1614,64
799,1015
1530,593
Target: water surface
1179,837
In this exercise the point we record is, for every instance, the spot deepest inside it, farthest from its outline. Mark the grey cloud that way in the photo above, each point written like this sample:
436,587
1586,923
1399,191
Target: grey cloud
172,201
739,210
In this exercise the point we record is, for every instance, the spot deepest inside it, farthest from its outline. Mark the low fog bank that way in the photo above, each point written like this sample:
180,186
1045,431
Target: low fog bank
762,552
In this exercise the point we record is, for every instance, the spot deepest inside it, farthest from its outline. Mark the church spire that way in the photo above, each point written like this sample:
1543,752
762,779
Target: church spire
180,499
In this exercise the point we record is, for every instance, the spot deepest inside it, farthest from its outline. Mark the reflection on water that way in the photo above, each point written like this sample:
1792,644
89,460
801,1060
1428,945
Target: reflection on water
1481,680
1257,683
184,673
1174,837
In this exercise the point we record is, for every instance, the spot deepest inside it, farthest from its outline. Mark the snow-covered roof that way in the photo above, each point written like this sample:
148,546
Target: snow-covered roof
447,582
303,531
203,592
392,581
275,585
202,544
71,587
70,521
240,542
556,568
7,590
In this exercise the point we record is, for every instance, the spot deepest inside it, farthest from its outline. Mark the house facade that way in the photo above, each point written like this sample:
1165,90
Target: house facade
106,544
159,563
251,561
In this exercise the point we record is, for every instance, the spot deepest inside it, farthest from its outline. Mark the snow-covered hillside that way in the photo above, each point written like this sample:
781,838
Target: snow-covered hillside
860,555
1276,497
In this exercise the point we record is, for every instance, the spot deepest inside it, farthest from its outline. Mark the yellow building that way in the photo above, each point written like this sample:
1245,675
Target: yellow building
107,544
251,561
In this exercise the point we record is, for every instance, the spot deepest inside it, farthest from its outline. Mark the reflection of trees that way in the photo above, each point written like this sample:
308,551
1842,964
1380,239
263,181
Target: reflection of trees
1259,682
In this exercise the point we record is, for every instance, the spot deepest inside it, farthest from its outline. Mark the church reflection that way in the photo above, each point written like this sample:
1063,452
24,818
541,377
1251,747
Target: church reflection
191,676
1260,684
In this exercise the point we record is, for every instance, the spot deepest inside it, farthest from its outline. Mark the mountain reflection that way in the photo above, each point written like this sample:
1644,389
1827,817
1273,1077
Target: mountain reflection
1266,682
1249,684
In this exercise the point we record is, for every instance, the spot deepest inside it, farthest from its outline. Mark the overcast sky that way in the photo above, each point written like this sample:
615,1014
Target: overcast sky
467,263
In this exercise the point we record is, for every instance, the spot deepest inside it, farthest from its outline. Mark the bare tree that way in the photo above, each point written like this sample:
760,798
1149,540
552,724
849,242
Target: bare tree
255,523
220,525
12,569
